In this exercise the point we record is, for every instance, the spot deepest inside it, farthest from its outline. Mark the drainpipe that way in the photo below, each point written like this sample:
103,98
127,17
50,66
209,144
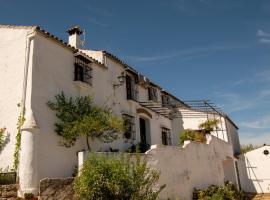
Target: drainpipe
28,161
29,39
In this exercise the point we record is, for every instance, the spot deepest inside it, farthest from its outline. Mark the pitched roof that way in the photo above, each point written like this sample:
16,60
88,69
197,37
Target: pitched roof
54,38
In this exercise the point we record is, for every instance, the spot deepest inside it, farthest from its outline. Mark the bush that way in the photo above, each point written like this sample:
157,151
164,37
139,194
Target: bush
227,192
2,137
138,148
109,178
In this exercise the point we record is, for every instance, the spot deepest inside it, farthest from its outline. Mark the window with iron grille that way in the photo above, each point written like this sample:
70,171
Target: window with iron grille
166,101
132,88
129,122
152,93
166,136
83,71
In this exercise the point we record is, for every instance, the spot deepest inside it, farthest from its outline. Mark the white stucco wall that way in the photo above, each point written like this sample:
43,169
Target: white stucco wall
254,170
12,60
53,72
197,165
226,130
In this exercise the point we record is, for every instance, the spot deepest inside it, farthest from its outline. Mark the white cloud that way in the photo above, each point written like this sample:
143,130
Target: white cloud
264,40
261,33
261,123
186,53
255,138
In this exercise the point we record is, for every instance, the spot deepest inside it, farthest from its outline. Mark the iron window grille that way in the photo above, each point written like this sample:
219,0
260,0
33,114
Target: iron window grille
152,93
83,71
129,123
132,88
166,136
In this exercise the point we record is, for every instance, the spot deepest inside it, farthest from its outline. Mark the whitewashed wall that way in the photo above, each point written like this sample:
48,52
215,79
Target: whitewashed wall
226,130
53,72
197,165
254,169
12,60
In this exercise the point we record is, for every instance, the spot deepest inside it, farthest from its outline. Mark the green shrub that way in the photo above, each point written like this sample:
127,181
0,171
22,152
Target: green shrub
138,148
2,137
28,196
187,134
227,192
106,178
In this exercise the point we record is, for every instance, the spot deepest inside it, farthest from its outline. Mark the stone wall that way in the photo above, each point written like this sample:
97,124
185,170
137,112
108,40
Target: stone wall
56,189
8,192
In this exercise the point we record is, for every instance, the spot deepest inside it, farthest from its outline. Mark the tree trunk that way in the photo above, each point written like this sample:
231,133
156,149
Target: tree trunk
87,142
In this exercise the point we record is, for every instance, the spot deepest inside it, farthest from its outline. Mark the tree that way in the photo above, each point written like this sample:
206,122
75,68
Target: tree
80,117
2,137
122,178
247,147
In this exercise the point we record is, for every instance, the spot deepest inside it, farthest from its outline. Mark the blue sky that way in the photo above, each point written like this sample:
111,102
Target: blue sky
196,49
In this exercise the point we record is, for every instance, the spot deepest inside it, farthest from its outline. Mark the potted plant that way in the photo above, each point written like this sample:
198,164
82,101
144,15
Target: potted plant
208,126
199,135
186,135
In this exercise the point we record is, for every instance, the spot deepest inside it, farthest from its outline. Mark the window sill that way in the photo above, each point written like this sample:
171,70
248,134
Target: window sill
81,84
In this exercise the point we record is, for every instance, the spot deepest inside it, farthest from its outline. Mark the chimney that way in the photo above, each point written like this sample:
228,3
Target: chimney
74,36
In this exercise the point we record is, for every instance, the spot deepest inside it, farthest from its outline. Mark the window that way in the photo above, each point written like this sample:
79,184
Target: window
132,88
83,71
166,101
166,136
152,93
129,122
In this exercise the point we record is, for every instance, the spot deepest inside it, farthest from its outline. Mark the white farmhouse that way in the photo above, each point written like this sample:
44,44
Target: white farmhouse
35,66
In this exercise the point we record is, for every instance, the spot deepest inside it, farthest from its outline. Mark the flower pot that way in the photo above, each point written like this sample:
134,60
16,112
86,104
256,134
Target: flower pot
200,137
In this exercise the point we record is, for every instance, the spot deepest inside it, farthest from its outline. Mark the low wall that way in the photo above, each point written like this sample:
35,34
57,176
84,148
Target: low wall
197,165
56,189
8,192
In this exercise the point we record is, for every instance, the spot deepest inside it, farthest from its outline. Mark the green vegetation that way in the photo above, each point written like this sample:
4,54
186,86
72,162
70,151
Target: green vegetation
2,137
106,178
138,148
227,192
16,154
246,148
198,135
80,117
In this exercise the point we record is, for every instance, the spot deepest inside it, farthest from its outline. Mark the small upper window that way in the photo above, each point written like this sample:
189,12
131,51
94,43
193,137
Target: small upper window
166,136
83,71
132,88
166,100
152,93
129,122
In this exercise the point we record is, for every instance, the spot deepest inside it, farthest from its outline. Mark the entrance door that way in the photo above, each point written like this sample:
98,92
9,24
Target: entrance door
143,131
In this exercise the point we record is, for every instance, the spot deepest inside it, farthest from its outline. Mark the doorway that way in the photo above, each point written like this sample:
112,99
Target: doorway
144,134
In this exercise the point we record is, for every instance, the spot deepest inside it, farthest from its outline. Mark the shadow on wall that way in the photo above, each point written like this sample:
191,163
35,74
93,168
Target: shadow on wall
178,125
5,142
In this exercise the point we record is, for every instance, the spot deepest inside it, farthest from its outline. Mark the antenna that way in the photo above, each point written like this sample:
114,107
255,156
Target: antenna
83,41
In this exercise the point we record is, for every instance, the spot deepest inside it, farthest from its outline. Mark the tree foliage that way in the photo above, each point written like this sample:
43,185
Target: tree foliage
247,147
2,137
106,178
80,117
